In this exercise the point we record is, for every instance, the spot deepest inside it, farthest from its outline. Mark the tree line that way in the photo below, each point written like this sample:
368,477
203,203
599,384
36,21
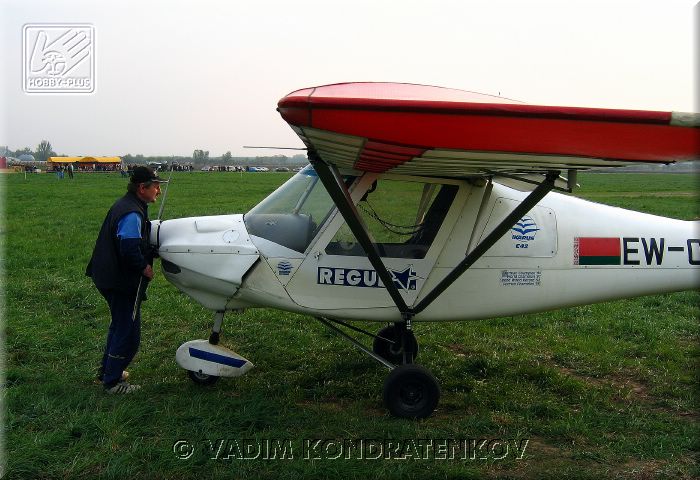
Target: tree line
42,152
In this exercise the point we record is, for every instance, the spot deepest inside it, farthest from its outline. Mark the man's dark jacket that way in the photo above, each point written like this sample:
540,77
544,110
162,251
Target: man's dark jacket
108,268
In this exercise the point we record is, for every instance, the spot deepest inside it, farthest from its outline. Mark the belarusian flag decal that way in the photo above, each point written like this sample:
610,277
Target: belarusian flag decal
596,251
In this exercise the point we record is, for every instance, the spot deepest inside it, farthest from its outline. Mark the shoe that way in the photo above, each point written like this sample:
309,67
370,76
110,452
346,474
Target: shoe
122,388
100,376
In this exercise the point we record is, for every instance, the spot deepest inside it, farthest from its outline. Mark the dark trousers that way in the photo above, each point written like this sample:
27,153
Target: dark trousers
123,337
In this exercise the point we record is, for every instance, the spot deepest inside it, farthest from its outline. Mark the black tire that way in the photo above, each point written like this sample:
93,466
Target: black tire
202,378
393,352
411,391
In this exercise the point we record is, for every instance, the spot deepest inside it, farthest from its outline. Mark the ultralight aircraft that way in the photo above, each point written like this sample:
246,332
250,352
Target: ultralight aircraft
428,204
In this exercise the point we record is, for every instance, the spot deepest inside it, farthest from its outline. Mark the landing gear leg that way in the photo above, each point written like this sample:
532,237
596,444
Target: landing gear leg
216,329
410,390
202,378
394,342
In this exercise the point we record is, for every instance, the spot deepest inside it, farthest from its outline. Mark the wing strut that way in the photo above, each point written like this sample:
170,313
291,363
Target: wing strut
331,179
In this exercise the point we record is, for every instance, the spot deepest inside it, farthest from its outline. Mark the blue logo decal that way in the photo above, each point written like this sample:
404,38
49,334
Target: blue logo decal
405,279
524,230
284,267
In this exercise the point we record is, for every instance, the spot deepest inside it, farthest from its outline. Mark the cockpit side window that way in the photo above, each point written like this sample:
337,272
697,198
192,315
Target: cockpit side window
402,217
293,214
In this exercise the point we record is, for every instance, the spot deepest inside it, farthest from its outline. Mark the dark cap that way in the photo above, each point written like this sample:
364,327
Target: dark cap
145,175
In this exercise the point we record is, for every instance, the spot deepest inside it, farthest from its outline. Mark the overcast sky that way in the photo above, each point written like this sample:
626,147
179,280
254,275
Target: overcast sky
173,76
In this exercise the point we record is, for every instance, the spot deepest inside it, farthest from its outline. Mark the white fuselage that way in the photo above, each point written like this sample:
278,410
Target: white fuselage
564,252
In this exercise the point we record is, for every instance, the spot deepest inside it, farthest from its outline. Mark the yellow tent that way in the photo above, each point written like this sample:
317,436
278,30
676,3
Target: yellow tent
90,160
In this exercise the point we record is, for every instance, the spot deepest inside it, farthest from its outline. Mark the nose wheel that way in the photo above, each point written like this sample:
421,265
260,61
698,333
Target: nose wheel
202,378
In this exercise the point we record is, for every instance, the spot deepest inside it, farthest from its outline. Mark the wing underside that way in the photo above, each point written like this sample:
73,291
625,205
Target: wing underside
357,153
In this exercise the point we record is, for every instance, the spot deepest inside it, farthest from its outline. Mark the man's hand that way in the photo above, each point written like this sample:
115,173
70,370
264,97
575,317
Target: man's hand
148,272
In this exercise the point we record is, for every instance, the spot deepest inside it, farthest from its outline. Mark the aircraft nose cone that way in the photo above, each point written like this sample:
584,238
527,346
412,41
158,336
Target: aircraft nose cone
205,257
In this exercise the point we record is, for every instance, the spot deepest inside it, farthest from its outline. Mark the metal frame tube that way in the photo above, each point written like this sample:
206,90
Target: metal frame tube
347,337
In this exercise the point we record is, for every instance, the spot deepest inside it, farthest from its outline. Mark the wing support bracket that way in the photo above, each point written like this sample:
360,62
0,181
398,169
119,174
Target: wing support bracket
332,180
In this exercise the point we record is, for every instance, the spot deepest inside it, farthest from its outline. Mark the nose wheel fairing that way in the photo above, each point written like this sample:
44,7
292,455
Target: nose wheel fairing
209,361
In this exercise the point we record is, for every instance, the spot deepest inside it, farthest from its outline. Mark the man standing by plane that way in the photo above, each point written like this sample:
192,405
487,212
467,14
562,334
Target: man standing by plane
121,263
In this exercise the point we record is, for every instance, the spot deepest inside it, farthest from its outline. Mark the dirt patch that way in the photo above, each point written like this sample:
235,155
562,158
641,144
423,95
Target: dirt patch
600,382
457,349
538,448
327,404
646,470
635,390
632,387
626,390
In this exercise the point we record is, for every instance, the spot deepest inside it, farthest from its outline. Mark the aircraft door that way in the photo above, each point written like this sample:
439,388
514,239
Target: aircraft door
409,220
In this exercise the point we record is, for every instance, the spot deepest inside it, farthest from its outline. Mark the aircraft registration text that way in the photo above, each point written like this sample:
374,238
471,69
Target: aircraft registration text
632,251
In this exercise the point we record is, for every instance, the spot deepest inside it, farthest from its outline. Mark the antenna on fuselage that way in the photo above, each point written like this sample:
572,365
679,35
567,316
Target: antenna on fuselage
277,148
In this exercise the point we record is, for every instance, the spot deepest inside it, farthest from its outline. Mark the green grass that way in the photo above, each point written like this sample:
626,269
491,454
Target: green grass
670,195
600,391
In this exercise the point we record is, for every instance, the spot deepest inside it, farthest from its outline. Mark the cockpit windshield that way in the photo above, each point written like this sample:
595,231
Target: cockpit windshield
293,214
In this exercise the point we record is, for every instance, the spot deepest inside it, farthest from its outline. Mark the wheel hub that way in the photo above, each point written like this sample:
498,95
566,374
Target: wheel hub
412,394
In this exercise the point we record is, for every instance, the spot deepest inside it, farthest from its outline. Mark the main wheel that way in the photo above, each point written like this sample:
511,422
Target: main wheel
202,378
393,352
411,391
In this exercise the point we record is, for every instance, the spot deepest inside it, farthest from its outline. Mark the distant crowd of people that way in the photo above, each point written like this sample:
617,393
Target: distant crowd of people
85,167
125,170
174,167
61,171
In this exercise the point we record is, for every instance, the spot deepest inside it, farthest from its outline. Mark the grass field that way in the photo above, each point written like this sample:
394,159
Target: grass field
601,391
